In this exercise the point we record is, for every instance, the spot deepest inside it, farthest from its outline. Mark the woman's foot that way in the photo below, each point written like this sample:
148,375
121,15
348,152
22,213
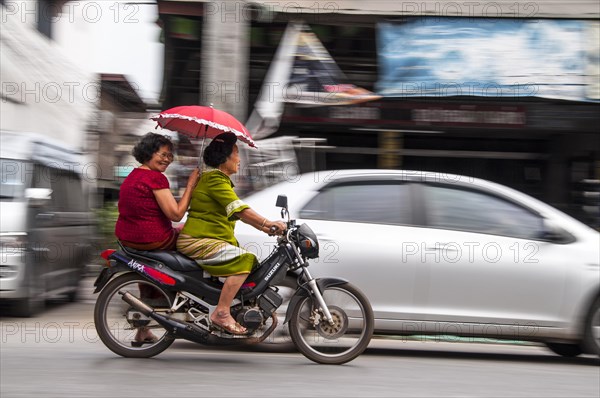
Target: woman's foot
143,336
225,321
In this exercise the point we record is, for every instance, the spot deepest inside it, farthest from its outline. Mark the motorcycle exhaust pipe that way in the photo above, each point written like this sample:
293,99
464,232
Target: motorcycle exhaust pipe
189,331
136,303
174,326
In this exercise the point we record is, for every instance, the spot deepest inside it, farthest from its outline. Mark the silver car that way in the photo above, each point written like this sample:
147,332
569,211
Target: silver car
441,254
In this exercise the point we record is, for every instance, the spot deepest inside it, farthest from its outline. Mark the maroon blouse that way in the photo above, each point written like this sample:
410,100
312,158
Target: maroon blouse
140,218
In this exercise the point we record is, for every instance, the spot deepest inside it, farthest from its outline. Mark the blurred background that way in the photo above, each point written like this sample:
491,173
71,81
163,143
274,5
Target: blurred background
506,91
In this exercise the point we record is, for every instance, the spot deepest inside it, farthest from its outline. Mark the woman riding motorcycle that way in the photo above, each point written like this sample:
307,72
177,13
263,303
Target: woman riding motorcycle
208,235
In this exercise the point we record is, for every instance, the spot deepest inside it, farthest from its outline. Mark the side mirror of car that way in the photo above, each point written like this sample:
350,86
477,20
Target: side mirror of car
553,232
38,197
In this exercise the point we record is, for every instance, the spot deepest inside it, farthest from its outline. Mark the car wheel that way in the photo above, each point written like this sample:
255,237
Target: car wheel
565,350
72,296
592,329
34,301
28,307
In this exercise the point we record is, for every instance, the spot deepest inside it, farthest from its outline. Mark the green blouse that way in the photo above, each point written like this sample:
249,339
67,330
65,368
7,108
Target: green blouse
213,208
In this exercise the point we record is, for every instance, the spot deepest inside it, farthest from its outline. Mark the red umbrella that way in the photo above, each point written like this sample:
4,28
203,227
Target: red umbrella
202,122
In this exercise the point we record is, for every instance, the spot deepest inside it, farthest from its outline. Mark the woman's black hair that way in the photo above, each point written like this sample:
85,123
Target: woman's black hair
217,152
149,145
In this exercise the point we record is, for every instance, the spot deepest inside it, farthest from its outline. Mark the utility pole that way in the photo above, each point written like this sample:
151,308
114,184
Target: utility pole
225,57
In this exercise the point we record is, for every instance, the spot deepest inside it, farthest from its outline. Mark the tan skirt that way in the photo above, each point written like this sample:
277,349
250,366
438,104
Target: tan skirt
217,257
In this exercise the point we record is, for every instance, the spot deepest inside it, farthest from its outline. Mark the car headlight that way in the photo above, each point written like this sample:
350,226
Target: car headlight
13,239
11,244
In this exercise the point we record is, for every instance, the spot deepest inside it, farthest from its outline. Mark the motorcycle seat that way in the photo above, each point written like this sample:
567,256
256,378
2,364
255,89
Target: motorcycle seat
172,259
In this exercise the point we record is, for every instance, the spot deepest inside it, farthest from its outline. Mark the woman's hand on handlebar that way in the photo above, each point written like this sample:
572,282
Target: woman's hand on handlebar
275,227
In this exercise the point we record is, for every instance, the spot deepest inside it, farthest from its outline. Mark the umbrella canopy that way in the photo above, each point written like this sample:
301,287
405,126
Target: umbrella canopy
197,121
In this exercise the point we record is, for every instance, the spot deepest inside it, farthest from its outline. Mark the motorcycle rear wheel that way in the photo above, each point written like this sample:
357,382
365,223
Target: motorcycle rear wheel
341,342
117,323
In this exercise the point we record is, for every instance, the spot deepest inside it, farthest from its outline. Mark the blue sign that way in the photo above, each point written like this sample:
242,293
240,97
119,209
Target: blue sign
491,57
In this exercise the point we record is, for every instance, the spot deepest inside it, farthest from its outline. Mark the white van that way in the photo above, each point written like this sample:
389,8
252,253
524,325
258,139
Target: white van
46,227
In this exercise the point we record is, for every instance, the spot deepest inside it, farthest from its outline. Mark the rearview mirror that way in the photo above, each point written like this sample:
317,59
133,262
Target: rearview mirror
282,201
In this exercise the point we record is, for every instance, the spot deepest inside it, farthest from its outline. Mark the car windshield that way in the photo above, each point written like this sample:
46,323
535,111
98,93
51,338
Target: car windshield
12,179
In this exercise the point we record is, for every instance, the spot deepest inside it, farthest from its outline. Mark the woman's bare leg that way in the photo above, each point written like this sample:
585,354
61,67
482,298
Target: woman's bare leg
222,314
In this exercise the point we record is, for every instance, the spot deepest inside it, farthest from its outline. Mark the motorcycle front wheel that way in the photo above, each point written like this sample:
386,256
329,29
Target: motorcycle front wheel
336,343
120,326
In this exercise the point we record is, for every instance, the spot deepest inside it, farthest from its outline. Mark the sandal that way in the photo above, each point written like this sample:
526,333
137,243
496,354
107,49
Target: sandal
149,340
143,336
231,328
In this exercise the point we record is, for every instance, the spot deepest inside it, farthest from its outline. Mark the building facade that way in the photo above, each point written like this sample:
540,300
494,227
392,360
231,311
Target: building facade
546,147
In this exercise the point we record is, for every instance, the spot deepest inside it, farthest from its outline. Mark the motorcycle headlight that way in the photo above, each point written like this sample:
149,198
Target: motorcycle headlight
307,242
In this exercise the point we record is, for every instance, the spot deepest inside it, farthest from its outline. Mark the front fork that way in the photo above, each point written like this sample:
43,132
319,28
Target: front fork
318,297
313,288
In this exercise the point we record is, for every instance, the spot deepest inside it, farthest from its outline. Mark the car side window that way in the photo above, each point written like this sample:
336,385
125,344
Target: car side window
67,191
41,177
67,195
472,211
381,203
13,178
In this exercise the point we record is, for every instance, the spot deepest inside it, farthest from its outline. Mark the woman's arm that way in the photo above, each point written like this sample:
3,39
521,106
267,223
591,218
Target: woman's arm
259,222
167,203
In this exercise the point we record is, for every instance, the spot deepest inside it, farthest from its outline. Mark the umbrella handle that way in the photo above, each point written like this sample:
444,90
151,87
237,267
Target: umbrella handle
202,148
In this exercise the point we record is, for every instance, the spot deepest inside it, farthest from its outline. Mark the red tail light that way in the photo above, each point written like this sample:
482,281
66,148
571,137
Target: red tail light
106,253
159,276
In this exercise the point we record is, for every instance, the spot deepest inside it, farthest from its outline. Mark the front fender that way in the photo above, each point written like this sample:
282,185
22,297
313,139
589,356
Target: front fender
304,291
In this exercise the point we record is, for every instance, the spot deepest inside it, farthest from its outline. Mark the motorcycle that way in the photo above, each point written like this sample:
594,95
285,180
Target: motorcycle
330,321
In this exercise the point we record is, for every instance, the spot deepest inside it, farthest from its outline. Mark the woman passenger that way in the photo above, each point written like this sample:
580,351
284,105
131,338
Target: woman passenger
147,207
